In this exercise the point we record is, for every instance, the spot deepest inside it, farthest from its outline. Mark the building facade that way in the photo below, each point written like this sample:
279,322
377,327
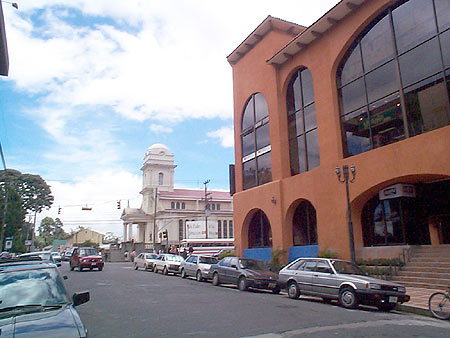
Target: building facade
364,89
84,235
165,208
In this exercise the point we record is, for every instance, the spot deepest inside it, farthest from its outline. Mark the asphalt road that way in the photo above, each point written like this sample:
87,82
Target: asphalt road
129,303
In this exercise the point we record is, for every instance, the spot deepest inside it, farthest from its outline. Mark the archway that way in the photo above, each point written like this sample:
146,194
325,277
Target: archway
259,237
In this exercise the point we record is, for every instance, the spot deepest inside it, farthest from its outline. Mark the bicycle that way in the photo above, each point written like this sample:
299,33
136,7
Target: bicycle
439,304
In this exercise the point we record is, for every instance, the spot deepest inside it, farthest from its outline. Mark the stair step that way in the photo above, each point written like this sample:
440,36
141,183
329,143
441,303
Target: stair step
421,274
420,280
437,259
423,269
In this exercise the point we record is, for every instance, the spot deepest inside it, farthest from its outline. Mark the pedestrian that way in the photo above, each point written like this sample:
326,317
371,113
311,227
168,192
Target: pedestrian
125,255
132,254
191,249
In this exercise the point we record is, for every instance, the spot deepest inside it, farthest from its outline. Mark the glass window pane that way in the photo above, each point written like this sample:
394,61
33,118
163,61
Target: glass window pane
293,156
313,149
442,12
356,133
310,117
296,90
301,152
427,107
445,45
352,68
377,45
262,136
382,81
261,109
295,125
248,118
290,98
307,87
264,169
249,174
420,62
230,232
386,121
353,96
413,23
248,144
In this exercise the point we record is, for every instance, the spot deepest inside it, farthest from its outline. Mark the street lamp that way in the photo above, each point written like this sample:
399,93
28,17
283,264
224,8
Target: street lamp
344,177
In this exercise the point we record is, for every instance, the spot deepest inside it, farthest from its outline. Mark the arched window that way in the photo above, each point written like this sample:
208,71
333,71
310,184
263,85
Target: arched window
302,123
256,162
219,229
172,205
304,225
183,205
160,179
259,231
394,81
230,232
178,205
213,206
225,229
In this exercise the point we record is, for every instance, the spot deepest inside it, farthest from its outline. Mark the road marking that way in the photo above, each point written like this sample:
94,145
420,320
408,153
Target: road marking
377,323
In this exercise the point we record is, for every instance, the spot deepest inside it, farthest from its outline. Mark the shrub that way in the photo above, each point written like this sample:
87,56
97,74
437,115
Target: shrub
328,253
226,253
275,264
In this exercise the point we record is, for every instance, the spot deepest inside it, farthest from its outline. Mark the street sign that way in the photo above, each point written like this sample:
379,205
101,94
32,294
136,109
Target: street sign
28,242
8,244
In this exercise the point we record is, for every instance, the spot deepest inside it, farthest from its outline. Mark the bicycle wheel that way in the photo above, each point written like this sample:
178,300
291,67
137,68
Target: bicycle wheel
439,305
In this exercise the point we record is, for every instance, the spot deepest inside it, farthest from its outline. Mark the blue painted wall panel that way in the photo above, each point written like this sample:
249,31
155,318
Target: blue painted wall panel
303,251
264,254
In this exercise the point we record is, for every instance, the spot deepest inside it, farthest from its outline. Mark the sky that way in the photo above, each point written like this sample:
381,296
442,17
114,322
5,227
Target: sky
93,83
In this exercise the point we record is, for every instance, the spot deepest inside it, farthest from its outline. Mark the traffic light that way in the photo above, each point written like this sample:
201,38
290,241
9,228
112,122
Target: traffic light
165,234
118,204
59,210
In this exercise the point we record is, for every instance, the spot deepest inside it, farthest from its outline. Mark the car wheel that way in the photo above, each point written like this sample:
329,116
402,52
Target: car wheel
91,269
100,268
183,273
276,290
146,267
348,298
135,266
216,280
165,272
155,269
293,290
386,307
150,268
199,276
242,284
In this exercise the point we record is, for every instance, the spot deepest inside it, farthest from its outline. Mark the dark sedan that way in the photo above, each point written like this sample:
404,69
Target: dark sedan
245,273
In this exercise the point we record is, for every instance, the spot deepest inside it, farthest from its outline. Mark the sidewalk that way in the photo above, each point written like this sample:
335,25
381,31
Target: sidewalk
419,301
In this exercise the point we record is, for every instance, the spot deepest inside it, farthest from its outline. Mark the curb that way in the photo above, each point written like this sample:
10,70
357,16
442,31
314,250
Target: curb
415,310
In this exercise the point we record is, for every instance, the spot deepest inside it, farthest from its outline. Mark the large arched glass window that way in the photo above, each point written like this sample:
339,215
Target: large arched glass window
259,231
394,81
302,123
304,225
256,162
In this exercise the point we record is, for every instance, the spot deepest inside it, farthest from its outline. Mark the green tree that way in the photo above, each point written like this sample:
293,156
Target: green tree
110,238
32,189
49,230
15,215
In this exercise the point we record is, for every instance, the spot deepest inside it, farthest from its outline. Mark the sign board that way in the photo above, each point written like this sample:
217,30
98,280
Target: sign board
397,190
197,229
8,244
28,242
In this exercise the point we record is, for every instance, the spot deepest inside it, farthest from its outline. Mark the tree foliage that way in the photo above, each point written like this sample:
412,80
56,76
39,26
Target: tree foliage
32,189
110,238
15,215
49,230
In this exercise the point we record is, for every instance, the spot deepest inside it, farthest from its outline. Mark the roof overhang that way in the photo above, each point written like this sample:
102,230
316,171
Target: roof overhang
270,23
4,59
315,31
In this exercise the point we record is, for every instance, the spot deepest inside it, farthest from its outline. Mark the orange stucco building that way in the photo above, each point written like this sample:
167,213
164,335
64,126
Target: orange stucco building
366,85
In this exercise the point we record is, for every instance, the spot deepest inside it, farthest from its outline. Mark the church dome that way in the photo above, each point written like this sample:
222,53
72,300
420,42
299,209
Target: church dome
157,148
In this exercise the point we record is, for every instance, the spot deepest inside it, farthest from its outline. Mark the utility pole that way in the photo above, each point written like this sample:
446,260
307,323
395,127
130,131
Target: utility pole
207,211
154,220
5,186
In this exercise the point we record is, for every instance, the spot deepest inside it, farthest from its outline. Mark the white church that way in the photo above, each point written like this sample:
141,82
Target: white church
166,209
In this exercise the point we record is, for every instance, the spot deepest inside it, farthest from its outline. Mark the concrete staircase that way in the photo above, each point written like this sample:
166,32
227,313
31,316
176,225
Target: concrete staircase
428,267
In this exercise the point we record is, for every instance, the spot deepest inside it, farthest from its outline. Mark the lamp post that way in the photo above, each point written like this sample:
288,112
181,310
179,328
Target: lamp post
344,177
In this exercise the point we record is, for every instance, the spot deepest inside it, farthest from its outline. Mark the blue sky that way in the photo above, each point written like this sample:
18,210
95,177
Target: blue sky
94,83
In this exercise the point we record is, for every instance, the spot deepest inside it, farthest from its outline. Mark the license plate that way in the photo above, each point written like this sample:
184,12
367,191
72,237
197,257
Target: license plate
393,299
272,285
93,264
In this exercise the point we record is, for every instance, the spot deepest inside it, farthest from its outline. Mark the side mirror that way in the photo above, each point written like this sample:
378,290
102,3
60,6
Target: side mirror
79,298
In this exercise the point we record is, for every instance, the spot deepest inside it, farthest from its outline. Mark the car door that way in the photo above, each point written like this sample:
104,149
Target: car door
234,271
303,275
191,264
223,269
323,279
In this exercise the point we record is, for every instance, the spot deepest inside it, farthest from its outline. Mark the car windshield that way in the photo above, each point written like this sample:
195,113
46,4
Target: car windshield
175,258
150,256
252,264
347,268
38,287
88,252
208,260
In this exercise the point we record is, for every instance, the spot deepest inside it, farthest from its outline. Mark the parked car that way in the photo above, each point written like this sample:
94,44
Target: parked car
56,256
145,261
197,266
245,273
66,255
86,258
34,301
44,255
339,280
167,263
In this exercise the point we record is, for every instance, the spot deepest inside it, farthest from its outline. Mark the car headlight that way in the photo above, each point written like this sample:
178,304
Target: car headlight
84,260
374,286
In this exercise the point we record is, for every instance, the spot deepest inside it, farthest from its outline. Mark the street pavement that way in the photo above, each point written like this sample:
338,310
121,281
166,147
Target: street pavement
129,303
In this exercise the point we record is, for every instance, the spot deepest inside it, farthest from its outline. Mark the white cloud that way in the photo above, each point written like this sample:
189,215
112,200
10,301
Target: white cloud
157,128
225,135
101,191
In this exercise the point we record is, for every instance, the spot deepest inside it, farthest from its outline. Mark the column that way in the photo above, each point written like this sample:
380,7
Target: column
141,233
130,231
125,232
